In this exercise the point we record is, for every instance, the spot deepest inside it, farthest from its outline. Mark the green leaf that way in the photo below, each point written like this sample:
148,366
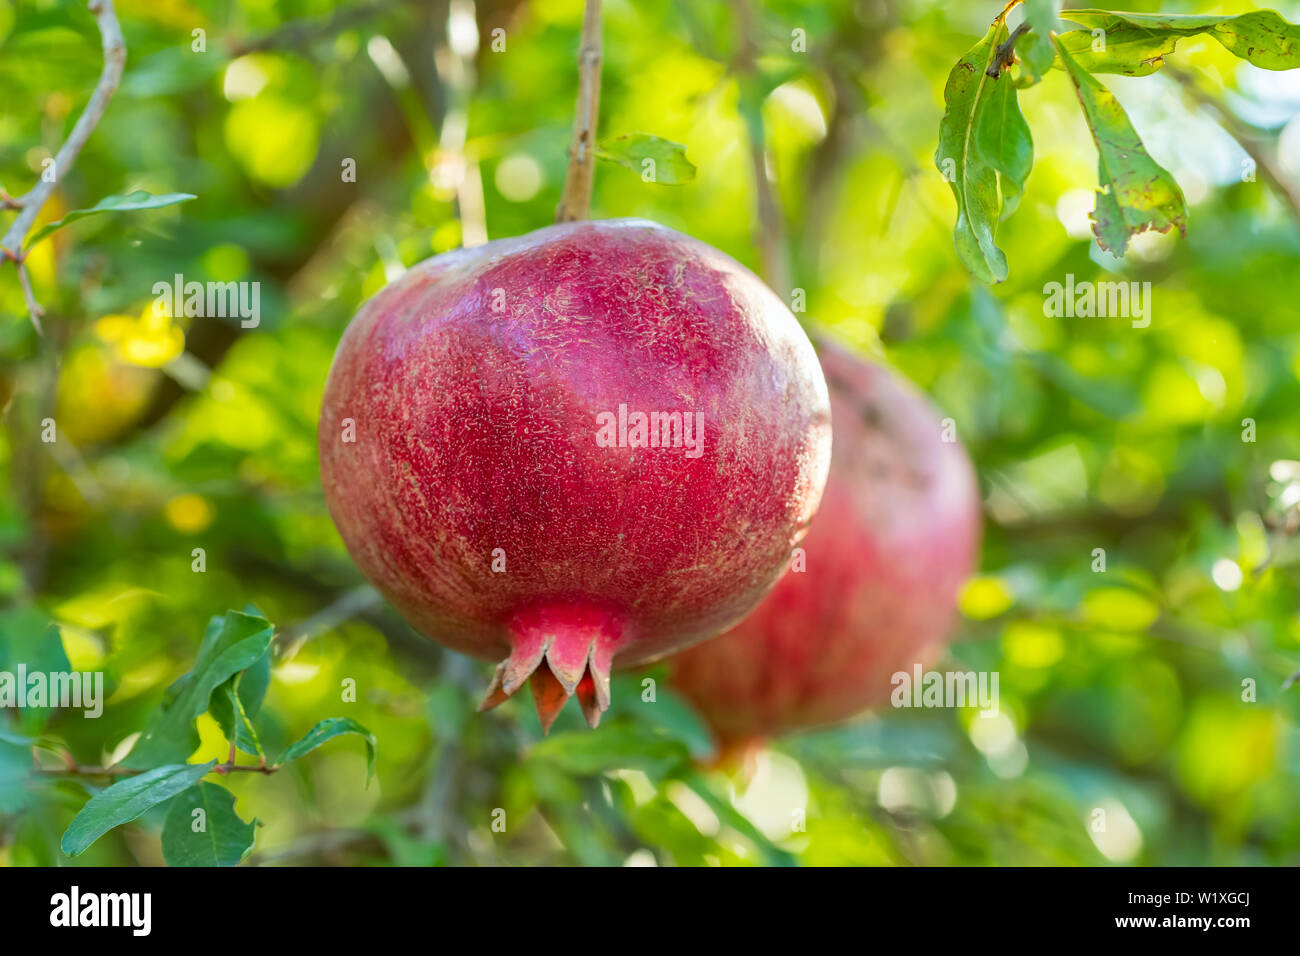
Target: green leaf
1002,138
406,849
671,715
221,837
1137,43
773,855
28,638
126,800
1136,192
616,747
15,775
670,165
328,729
238,643
235,714
126,202
1035,48
180,684
172,70
985,152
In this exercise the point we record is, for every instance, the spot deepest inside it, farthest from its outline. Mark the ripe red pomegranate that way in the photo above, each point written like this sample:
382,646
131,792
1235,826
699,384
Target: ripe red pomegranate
897,533
591,445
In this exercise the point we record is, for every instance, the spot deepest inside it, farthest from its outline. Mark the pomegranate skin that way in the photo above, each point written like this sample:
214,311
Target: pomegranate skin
897,534
481,495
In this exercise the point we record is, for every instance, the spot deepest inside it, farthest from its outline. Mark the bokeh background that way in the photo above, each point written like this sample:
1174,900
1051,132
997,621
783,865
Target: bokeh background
1121,691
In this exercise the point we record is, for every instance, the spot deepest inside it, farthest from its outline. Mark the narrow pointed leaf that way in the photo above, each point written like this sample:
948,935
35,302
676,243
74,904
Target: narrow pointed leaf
773,855
238,644
1003,139
233,713
985,152
128,202
1136,192
614,748
126,800
327,730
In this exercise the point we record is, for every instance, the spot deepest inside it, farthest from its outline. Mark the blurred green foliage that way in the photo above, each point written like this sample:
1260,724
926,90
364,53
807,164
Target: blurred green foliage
1166,447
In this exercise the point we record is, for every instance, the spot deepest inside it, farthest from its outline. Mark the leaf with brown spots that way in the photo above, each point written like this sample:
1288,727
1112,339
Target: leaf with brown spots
1136,192
985,152
1136,44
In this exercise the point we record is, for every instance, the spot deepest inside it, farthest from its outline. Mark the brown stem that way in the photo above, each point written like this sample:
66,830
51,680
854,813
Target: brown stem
1242,134
33,307
30,204
79,770
109,78
1005,54
575,202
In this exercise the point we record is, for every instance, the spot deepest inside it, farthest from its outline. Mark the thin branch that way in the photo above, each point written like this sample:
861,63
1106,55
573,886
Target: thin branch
328,841
1005,54
417,652
436,811
109,78
346,606
299,33
30,204
575,202
770,231
33,307
70,769
1239,131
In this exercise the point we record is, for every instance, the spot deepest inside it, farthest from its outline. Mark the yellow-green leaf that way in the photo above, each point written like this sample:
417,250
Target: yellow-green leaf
128,202
657,160
1136,44
1136,192
985,152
